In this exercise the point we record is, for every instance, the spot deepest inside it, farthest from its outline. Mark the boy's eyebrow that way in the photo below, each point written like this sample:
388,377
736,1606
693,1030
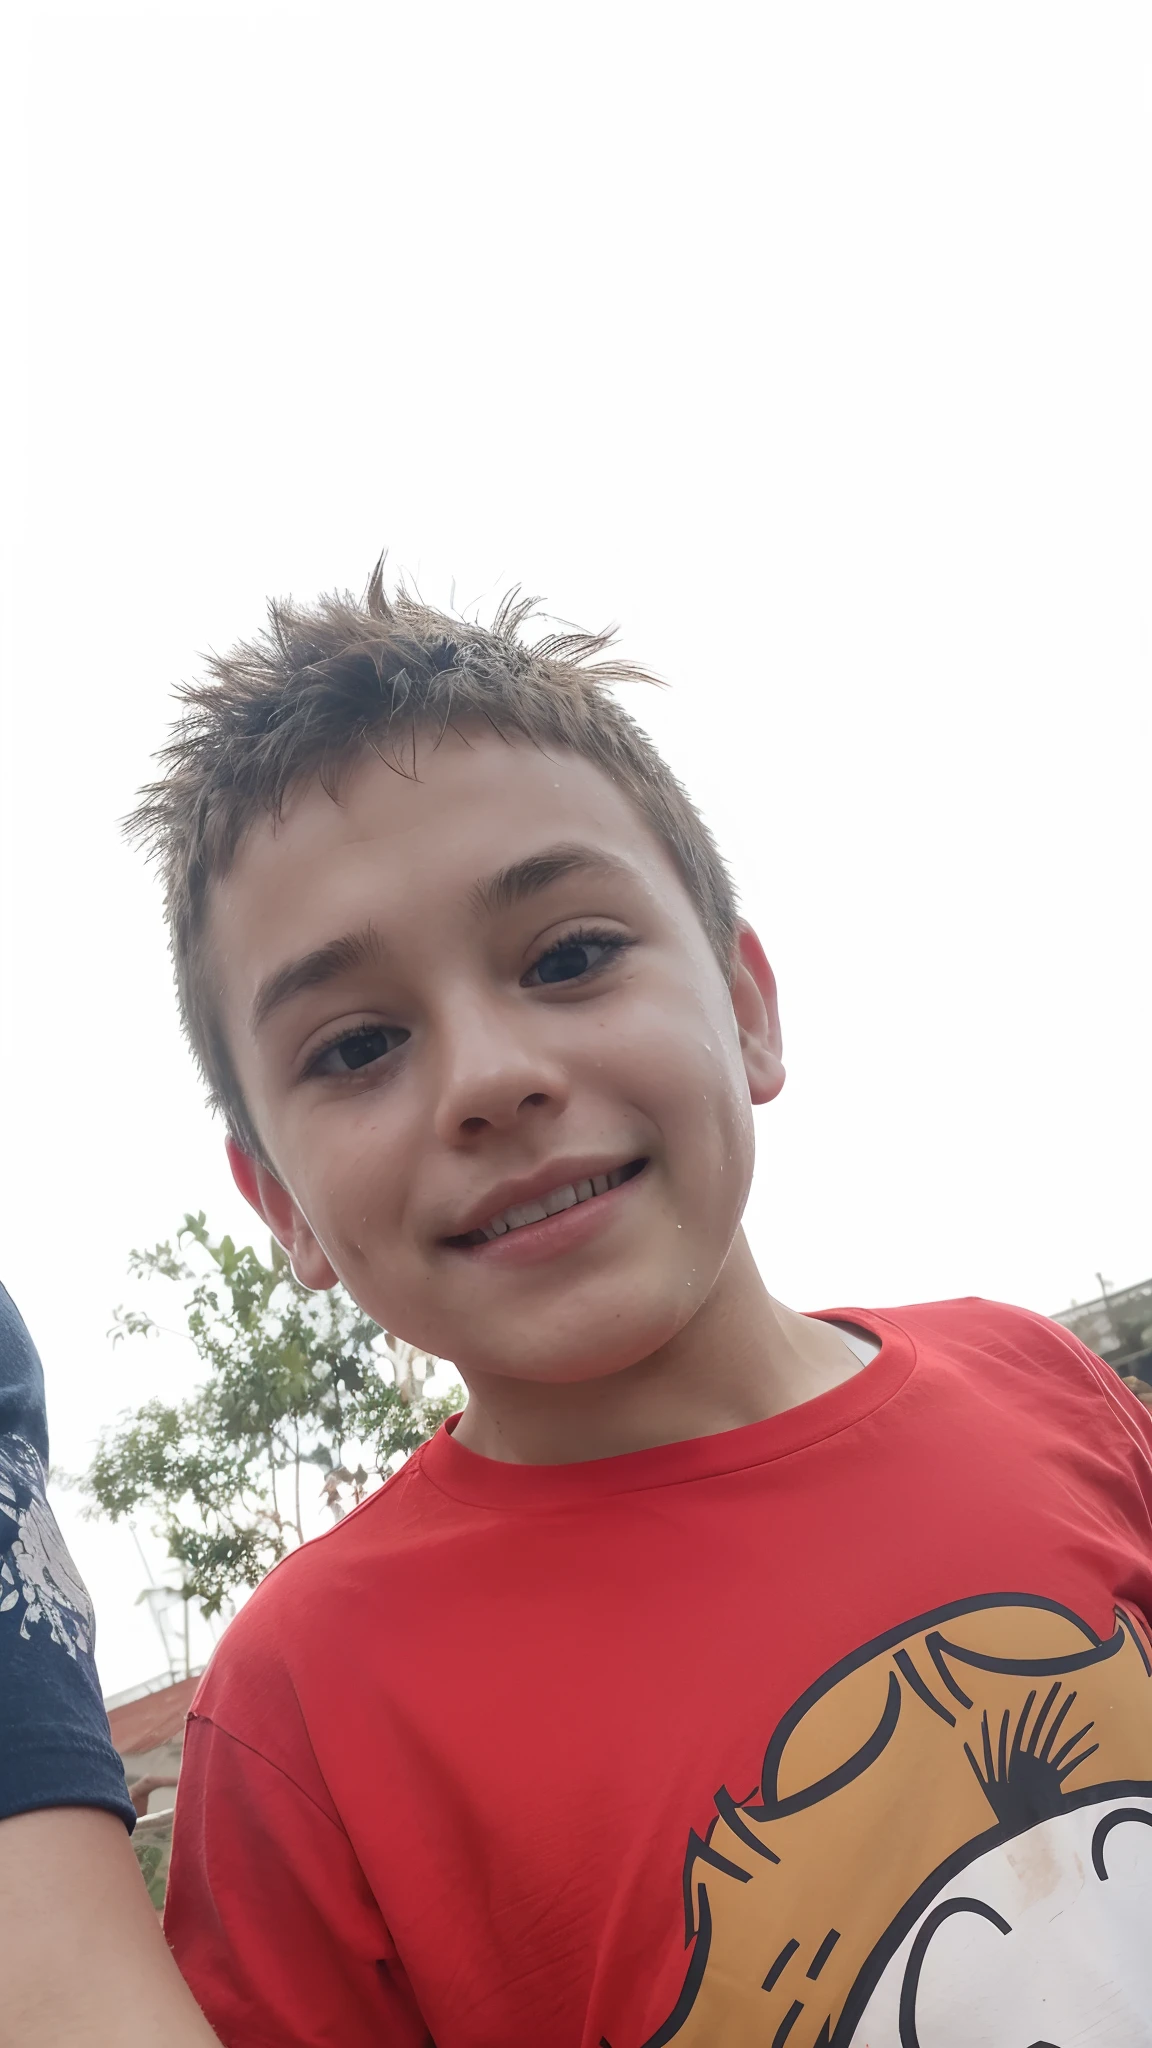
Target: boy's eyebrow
339,956
501,891
538,870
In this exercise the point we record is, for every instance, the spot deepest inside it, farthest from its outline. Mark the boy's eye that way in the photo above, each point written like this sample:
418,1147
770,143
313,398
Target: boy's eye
357,1049
570,959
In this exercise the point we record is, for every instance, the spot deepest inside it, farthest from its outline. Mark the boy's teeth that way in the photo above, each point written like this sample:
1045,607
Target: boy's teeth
552,1204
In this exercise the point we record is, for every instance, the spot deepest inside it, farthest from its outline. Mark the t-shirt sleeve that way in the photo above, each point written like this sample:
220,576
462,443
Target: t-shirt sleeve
55,1749
269,1914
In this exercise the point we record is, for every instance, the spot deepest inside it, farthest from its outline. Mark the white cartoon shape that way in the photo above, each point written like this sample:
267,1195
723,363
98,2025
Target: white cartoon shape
1044,1941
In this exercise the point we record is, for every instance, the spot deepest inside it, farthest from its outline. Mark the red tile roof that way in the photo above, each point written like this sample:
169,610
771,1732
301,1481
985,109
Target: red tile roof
159,1717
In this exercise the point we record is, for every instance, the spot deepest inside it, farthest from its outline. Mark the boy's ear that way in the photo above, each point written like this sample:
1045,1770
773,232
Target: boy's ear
259,1185
753,989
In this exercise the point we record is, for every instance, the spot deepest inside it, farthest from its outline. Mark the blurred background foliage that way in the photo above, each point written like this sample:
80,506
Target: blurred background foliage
304,1398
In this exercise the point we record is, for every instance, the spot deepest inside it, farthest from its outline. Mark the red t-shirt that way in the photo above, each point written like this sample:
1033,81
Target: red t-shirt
834,1729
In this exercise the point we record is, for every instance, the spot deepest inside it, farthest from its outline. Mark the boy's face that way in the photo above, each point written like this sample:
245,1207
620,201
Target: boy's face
456,1001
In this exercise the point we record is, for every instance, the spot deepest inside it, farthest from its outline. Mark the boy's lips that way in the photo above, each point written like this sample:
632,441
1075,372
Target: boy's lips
547,1215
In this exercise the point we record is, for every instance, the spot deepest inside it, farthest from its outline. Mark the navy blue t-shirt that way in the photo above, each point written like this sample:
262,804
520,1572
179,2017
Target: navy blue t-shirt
55,1749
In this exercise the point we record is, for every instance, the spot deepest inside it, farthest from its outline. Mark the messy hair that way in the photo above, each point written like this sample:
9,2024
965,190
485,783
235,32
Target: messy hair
324,681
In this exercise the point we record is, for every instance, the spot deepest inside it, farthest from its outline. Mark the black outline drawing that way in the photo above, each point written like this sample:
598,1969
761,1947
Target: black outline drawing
1022,1772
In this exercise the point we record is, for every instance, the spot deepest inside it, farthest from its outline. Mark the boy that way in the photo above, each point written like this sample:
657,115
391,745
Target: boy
725,1675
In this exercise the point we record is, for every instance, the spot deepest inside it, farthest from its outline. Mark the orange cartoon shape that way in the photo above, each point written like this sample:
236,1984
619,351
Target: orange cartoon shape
951,1848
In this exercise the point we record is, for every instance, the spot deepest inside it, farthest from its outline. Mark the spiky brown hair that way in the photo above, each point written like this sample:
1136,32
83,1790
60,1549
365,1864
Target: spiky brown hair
323,682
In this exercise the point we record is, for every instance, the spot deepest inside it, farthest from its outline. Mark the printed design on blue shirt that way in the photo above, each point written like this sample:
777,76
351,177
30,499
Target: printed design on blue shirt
38,1580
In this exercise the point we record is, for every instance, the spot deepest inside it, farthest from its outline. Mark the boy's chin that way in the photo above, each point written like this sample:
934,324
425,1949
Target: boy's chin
600,1350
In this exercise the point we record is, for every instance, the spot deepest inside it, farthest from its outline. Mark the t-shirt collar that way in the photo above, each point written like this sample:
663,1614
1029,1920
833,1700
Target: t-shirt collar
489,1482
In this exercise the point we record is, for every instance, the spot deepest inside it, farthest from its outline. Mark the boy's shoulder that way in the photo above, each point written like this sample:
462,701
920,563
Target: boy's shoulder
972,1317
359,1560
1002,1330
974,1329
1025,1358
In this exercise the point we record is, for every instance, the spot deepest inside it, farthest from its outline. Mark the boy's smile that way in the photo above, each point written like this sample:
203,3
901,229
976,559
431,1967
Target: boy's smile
537,1221
501,1081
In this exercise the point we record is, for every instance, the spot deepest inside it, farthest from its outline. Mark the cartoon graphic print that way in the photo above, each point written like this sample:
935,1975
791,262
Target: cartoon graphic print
951,1847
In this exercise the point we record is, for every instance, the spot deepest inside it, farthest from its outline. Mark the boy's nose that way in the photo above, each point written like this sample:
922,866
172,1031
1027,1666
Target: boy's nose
491,1076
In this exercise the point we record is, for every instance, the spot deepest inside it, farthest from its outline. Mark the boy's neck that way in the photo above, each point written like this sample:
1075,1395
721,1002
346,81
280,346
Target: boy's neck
742,1358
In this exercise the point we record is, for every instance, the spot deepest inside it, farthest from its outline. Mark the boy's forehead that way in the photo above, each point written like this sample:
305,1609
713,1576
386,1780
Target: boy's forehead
476,805
471,796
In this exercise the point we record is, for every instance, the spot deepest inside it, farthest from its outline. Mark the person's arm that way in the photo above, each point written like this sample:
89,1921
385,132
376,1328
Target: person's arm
83,1961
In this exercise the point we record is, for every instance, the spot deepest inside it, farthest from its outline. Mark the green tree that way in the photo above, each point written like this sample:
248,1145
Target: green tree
294,1381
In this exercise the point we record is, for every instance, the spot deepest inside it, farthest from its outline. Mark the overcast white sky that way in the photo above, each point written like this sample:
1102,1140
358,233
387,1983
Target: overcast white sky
809,342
